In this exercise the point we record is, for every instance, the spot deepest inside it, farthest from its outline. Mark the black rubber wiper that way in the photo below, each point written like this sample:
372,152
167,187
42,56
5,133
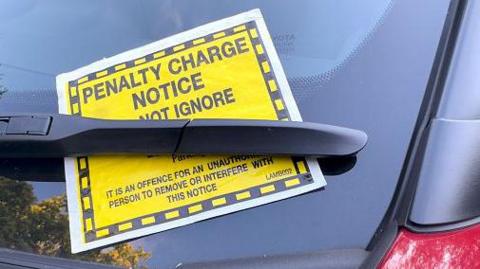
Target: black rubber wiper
55,135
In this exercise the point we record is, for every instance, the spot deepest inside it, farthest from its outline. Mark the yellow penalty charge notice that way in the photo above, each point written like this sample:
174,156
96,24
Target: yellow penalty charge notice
225,69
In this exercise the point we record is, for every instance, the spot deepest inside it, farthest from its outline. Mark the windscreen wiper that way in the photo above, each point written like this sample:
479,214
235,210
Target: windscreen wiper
55,135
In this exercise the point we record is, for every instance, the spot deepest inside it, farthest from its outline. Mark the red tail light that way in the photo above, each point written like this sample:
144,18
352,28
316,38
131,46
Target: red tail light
453,249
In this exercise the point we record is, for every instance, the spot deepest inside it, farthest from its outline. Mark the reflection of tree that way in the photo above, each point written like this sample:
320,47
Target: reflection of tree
42,228
3,89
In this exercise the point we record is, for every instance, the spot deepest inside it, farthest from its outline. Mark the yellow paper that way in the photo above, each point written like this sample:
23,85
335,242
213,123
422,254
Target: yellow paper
226,69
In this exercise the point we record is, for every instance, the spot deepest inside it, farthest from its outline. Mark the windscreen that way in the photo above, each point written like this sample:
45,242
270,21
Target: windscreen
359,64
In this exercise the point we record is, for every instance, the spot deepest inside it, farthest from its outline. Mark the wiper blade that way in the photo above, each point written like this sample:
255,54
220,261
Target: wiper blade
55,135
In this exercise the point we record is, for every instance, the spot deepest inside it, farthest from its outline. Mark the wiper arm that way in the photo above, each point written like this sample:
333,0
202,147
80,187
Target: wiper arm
55,135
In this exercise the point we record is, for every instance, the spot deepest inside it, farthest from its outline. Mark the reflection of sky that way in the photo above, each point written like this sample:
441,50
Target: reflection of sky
47,38
44,190
39,39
